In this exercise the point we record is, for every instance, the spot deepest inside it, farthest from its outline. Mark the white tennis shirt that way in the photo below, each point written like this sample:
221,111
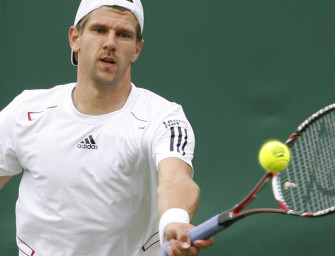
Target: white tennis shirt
89,182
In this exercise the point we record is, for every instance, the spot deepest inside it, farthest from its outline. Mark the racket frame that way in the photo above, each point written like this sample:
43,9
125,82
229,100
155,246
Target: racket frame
223,220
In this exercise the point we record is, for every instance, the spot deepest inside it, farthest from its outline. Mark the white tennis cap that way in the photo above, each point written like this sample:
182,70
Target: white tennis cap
87,6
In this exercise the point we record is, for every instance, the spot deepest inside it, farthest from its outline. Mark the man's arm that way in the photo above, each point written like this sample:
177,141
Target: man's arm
178,190
176,187
4,180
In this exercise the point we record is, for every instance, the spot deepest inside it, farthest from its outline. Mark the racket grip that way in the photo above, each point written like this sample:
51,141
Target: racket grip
201,232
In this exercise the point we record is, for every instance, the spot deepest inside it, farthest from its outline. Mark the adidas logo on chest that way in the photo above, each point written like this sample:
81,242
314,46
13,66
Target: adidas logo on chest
88,143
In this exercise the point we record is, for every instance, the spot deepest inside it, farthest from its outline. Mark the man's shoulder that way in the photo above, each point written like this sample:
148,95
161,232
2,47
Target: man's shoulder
152,106
42,93
41,97
153,99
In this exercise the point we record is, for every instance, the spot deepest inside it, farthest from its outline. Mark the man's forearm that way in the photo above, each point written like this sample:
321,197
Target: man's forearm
176,187
184,195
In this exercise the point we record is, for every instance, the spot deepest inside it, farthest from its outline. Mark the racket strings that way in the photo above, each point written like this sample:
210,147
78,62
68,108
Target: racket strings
308,183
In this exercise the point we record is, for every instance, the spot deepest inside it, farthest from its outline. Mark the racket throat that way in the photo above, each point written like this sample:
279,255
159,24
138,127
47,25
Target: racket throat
226,219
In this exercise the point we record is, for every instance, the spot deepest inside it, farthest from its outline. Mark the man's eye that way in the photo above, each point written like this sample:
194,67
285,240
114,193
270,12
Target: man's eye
124,35
99,30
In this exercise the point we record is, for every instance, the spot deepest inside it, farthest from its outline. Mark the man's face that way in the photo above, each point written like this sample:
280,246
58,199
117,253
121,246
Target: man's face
107,47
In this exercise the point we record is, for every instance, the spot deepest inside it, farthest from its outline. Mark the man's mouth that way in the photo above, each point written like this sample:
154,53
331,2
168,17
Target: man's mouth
108,60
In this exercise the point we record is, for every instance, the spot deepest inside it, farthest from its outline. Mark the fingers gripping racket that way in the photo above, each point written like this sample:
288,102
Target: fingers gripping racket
306,188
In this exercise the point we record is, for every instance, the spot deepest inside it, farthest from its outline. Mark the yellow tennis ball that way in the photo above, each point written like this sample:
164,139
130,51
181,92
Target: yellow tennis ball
274,156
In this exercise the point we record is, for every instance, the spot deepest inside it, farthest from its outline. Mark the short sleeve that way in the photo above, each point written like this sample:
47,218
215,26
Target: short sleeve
9,163
174,136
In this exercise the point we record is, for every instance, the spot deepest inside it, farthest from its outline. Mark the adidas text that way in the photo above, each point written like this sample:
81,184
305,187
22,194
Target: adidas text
83,146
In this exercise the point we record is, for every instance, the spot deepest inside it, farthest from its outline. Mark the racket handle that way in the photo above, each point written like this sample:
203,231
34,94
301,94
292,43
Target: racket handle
201,232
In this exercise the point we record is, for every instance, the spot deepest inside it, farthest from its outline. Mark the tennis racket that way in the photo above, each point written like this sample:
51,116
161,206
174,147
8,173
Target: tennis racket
306,188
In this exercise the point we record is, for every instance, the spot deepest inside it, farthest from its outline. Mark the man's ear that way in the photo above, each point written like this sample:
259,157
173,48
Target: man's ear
74,39
139,47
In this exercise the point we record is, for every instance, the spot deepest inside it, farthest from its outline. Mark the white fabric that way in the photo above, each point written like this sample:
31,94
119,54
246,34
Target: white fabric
89,182
172,215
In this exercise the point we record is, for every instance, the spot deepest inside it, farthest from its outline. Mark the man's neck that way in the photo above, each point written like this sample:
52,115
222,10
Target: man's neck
100,100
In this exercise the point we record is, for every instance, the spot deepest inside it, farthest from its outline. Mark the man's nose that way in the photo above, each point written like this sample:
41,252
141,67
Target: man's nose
110,41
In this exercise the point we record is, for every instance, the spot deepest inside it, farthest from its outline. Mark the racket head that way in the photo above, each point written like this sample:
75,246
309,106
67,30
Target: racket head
307,186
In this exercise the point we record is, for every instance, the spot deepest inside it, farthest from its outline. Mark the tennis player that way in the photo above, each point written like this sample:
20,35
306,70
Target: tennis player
107,166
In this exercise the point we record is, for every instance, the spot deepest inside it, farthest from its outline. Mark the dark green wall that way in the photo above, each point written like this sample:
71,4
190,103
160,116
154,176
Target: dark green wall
245,71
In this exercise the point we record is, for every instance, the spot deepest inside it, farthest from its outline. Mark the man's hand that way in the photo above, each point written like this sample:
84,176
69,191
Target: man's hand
180,244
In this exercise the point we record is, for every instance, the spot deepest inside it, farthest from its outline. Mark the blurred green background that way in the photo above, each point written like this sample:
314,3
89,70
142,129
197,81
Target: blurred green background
244,71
